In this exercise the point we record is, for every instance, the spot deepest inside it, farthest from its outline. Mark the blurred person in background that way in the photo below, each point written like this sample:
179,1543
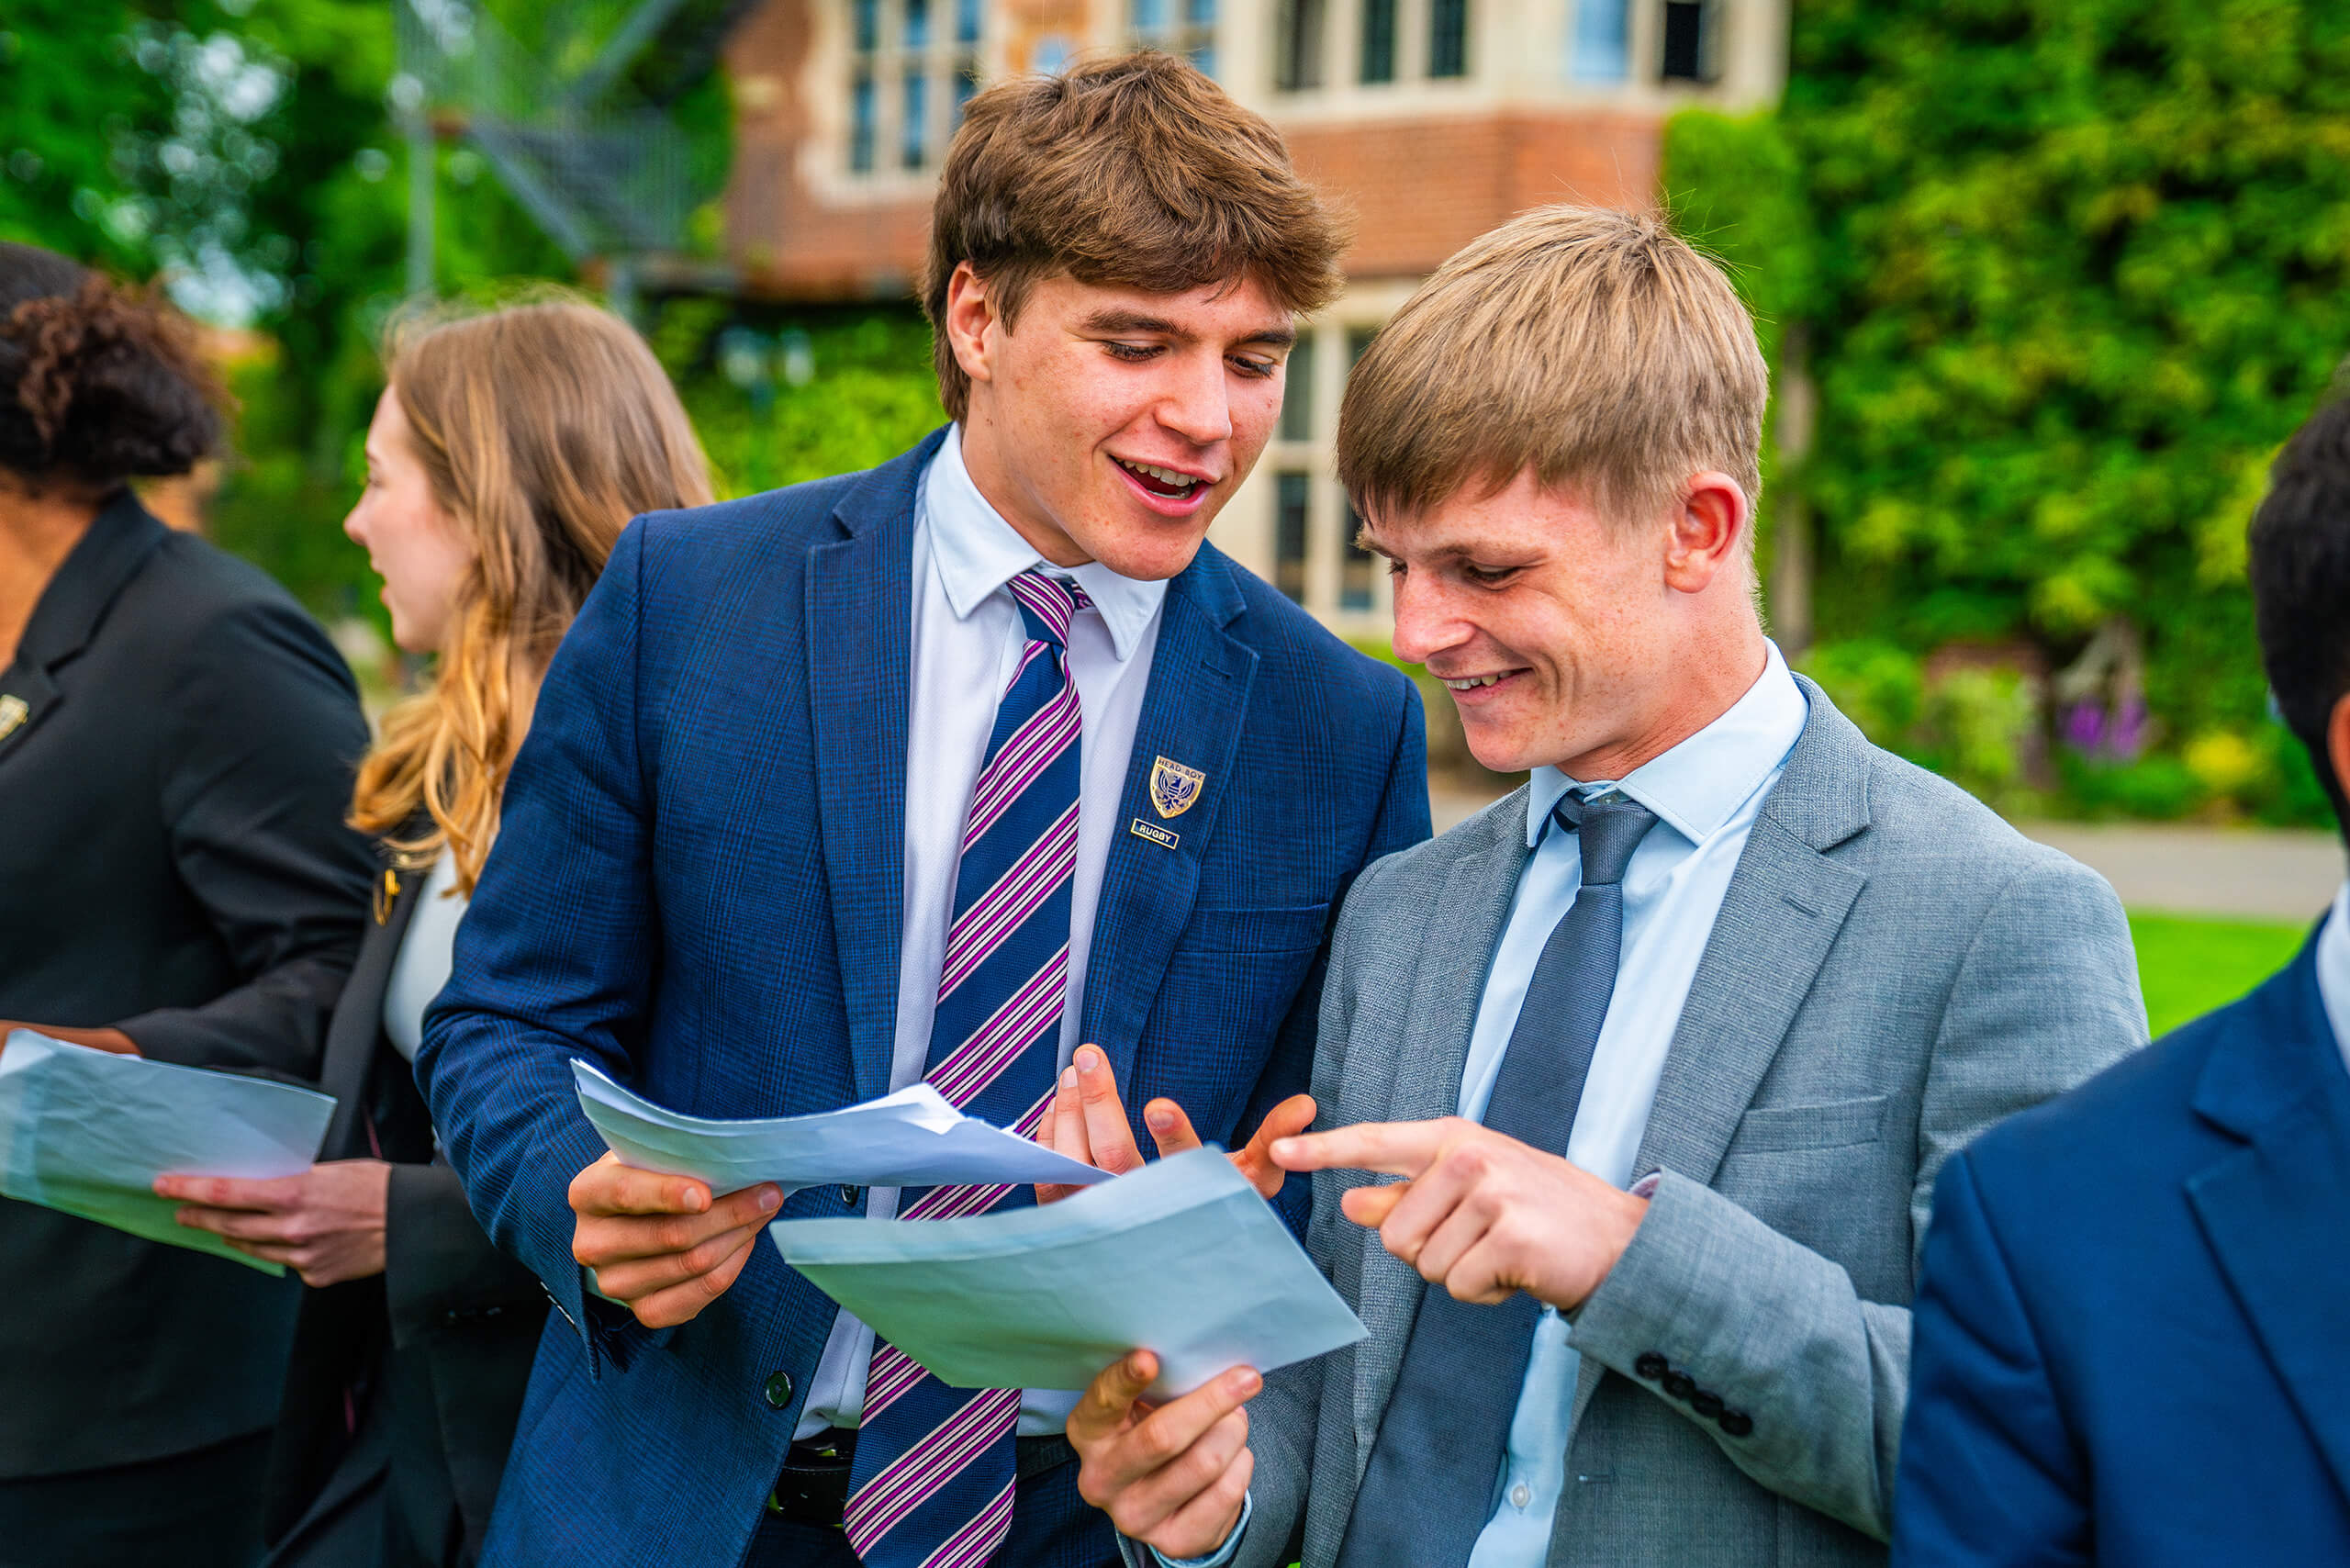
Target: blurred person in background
2130,1331
505,457
177,880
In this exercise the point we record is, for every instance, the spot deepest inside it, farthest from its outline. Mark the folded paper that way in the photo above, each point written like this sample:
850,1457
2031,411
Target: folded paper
86,1132
1181,1258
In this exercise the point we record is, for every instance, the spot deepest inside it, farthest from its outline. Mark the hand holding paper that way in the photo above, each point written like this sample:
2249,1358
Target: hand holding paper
87,1132
667,1220
1087,1122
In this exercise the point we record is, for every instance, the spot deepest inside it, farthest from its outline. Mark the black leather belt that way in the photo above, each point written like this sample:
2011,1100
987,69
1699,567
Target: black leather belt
813,1488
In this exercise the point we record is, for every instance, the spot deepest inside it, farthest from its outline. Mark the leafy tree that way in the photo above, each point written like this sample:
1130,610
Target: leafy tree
2072,270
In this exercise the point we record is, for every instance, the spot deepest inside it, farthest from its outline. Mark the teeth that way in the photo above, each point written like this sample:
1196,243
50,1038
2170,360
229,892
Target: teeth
1164,475
1473,682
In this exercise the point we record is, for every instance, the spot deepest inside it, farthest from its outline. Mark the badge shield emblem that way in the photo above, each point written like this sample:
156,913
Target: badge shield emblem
1174,788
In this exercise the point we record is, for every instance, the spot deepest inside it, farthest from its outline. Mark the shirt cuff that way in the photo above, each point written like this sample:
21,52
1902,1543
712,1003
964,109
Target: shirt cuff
1222,1554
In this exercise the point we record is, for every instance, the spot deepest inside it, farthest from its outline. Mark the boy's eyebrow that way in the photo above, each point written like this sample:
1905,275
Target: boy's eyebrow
1113,320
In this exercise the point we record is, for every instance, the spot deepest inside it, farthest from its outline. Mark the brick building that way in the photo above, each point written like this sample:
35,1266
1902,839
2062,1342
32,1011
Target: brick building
1432,120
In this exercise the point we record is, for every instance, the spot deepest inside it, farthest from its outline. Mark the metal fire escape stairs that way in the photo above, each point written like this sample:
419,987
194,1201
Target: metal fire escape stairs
591,152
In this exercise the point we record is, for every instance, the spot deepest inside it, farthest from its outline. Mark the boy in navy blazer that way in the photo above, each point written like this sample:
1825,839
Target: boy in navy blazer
2132,1341
935,772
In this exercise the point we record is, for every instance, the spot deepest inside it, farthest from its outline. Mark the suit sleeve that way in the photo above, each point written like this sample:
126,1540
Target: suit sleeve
265,730
1400,822
555,957
2045,997
1990,1477
438,1266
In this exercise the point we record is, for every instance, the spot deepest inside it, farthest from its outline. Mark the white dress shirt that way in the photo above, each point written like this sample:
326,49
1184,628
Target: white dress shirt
2333,970
966,639
1705,793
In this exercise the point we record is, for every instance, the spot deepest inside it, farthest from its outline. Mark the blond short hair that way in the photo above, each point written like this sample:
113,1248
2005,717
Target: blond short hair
1595,347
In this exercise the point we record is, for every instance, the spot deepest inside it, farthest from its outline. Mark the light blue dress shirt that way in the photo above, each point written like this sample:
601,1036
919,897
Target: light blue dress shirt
1705,793
2333,970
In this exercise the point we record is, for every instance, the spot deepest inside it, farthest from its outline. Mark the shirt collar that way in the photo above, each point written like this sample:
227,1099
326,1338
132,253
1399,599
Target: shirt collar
977,553
1698,785
2333,970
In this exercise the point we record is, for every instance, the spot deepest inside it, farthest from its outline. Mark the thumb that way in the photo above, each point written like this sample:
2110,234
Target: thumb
1289,1118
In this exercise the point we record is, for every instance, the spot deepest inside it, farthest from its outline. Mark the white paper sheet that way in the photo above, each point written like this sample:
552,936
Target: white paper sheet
86,1132
1181,1256
912,1138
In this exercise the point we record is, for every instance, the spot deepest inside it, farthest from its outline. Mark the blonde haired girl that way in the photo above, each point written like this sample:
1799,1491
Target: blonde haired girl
506,455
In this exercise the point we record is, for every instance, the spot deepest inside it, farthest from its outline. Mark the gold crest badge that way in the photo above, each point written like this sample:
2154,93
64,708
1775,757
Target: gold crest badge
14,711
1174,788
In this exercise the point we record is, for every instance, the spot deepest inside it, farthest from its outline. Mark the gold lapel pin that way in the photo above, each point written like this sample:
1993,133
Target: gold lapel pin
14,711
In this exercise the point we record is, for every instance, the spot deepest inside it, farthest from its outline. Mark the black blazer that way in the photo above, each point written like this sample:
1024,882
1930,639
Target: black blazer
415,1376
176,739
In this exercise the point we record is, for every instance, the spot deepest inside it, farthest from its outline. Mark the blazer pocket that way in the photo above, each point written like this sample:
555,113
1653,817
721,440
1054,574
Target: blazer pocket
1287,930
1777,1129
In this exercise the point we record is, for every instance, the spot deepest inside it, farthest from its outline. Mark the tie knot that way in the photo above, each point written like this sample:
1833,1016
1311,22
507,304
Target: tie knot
1611,826
1047,604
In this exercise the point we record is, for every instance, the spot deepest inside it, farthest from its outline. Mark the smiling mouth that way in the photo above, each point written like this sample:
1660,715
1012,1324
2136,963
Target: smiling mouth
1472,682
1164,482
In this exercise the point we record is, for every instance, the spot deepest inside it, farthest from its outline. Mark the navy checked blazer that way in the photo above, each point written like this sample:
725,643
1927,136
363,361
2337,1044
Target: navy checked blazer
697,886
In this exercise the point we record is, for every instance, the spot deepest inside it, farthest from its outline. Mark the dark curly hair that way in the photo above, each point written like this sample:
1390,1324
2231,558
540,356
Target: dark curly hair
98,383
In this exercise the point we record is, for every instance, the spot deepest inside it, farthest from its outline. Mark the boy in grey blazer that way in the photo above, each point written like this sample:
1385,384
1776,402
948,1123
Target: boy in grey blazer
1642,1075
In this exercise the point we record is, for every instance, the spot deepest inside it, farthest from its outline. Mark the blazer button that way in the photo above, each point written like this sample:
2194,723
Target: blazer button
1680,1385
1737,1423
779,1390
851,1196
1706,1402
1651,1366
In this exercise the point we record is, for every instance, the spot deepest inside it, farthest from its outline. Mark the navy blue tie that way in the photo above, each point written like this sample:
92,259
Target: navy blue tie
1429,1491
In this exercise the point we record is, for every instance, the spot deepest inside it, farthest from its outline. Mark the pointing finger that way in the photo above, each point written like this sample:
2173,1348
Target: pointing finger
1105,1115
1394,1149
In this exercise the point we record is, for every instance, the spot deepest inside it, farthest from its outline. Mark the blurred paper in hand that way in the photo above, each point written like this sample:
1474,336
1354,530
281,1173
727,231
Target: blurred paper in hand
912,1138
1181,1256
86,1132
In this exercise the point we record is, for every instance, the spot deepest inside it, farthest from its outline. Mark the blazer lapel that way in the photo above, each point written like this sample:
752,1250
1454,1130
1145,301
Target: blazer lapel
357,1027
2272,1211
1191,716
1784,906
116,545
1464,927
860,619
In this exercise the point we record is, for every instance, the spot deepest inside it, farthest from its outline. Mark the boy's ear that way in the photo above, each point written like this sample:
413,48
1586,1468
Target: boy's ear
970,311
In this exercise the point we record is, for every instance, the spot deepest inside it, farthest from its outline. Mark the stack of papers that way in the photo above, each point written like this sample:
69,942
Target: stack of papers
912,1138
86,1132
1181,1258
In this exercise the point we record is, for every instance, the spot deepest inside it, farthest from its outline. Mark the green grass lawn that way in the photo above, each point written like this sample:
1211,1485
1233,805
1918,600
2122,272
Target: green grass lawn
2190,966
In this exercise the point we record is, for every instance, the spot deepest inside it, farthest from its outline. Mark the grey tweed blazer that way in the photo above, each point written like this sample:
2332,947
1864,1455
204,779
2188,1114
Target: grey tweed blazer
1894,970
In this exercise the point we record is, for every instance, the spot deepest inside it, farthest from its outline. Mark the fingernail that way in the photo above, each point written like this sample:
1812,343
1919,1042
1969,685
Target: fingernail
771,1199
1248,1382
1160,1116
1069,1077
1284,1148
1088,1058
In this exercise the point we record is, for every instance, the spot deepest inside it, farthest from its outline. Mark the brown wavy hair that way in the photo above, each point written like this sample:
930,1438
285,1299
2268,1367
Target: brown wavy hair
542,428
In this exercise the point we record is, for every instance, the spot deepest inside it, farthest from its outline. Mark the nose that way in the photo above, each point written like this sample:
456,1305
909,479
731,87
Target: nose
1426,622
353,528
1198,404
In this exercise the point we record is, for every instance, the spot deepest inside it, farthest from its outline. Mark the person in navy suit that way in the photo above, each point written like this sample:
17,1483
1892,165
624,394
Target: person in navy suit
2131,1344
980,768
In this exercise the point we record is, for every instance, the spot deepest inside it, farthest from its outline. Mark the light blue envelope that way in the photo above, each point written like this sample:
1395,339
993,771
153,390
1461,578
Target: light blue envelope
1181,1258
86,1132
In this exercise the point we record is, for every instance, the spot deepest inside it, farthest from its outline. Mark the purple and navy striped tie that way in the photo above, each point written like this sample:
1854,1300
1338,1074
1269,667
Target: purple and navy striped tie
931,1482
